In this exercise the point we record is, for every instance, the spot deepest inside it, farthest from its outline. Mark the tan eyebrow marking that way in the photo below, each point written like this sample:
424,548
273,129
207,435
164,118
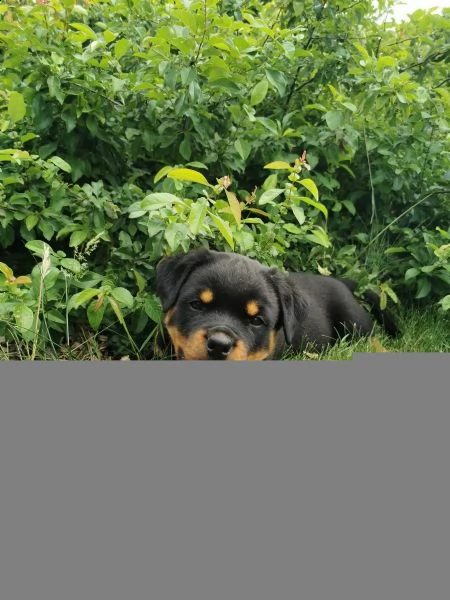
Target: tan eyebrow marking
206,296
252,308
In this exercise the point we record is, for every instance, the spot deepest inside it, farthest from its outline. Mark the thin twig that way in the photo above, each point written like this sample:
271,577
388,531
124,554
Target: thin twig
407,211
372,189
306,47
200,46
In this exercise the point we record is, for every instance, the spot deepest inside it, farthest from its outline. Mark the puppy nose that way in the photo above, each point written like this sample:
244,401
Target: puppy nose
219,345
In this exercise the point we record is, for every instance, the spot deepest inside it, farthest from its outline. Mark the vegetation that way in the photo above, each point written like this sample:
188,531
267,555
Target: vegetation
310,135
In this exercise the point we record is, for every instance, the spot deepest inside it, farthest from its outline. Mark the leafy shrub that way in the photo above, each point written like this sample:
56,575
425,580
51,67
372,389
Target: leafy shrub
102,102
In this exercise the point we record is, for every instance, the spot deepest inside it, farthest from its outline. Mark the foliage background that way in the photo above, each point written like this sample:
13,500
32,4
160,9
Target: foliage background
100,99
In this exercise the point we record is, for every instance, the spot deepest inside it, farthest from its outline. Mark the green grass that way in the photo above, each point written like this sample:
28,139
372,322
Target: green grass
423,331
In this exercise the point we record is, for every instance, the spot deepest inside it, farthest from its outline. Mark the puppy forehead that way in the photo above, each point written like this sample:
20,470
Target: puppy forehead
239,278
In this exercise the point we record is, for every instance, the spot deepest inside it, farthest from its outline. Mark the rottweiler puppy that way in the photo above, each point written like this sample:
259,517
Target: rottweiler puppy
224,306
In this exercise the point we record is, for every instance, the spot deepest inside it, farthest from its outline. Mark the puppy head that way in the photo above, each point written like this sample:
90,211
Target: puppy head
222,306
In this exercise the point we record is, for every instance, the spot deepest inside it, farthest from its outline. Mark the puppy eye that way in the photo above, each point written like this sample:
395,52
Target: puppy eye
196,305
256,321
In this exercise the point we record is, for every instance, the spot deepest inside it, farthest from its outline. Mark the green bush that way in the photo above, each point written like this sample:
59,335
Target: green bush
110,108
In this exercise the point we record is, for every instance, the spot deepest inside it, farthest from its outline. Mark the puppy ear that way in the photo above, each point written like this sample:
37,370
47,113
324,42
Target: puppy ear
290,306
173,271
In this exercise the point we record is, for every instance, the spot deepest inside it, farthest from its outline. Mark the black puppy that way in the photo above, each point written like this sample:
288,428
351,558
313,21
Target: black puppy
224,306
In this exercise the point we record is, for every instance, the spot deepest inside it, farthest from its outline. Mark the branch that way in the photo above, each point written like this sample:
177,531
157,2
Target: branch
433,56
306,47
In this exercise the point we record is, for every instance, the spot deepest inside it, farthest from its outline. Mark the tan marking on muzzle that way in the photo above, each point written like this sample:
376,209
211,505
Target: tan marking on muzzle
191,347
239,352
264,352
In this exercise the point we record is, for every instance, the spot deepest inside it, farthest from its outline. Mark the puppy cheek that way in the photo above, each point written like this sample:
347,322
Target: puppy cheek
192,347
264,353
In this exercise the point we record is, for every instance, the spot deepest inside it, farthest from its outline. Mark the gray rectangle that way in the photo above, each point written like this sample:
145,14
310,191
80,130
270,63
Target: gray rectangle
225,481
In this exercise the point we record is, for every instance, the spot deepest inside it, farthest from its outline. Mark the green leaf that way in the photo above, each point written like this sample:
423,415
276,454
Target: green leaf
24,318
12,155
299,213
141,283
7,271
323,209
428,268
197,216
350,106
279,165
243,148
153,309
117,310
224,229
277,80
390,292
27,137
270,182
81,298
269,124
268,196
311,187
245,240
175,234
291,228
185,148
424,288
334,119
158,200
88,32
71,264
259,92
55,316
349,206
121,47
31,221
234,206
109,36
95,312
411,273
395,250
253,220
38,247
123,296
197,164
445,302
51,276
319,236
22,280
54,88
161,173
77,237
362,50
257,211
61,164
318,107
16,107
188,175
47,229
